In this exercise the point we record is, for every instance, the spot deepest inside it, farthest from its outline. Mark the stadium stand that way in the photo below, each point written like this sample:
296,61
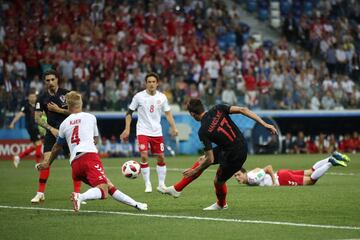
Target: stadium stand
199,48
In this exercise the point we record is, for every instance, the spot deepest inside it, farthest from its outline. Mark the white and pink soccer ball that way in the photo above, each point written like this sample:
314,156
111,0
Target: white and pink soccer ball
131,169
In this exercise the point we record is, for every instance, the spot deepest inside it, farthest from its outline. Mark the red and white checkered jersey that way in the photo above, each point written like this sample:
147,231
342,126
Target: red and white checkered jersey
79,130
149,108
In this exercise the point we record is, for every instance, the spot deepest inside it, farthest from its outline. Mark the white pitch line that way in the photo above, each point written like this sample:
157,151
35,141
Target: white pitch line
189,218
340,174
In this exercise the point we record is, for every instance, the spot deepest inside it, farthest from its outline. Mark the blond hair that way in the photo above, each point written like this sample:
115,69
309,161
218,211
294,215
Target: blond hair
73,100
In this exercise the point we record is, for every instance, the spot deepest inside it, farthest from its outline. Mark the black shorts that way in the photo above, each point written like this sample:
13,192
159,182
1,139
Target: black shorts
230,161
50,140
34,134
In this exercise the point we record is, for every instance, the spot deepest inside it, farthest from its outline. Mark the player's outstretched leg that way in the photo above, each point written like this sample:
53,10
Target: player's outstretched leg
321,167
123,198
17,158
176,189
94,193
38,153
341,157
16,161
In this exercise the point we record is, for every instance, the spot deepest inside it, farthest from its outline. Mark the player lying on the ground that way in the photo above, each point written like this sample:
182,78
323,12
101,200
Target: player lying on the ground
80,132
309,177
285,177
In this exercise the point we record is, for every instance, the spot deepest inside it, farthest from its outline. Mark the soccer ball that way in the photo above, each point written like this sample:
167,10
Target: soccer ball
131,169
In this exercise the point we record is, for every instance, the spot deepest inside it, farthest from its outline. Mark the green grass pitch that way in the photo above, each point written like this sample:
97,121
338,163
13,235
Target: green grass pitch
318,210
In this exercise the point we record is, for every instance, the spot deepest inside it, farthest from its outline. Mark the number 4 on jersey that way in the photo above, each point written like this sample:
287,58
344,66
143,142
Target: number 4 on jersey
75,135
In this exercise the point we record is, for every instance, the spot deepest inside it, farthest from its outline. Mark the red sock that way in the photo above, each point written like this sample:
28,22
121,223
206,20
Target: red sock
144,165
38,153
221,191
112,190
44,175
186,181
77,186
27,151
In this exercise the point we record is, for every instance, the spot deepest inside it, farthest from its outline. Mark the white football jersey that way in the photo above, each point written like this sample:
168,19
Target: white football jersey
149,110
260,178
79,130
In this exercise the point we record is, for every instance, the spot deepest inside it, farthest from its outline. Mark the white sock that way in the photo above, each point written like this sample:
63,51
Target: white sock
319,172
122,197
320,163
146,174
91,194
161,172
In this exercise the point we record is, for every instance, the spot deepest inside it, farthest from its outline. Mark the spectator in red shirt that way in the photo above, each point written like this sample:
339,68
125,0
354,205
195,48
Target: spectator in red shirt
311,146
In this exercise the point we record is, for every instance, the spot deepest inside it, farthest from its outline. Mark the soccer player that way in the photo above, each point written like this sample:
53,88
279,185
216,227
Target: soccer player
53,103
80,132
285,177
230,153
150,103
28,110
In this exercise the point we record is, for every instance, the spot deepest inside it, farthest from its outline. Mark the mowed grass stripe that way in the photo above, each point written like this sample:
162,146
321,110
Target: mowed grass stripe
214,170
188,218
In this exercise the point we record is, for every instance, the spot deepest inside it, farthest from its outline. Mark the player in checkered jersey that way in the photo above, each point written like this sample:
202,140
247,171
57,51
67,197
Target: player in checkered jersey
150,104
80,133
285,177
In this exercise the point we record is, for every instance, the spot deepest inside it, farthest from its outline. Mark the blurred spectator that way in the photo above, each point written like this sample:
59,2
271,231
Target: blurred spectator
327,101
277,79
311,146
288,144
212,66
103,147
300,144
66,69
37,83
355,142
1,71
113,147
315,102
322,144
125,149
228,95
81,76
288,102
345,144
332,144
251,95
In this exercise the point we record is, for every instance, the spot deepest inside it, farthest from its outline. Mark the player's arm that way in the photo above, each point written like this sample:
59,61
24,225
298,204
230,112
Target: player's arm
55,108
246,112
16,119
40,121
54,153
204,162
269,170
170,119
124,136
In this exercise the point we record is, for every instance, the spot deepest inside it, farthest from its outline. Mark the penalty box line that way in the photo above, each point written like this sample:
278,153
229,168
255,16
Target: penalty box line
188,217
